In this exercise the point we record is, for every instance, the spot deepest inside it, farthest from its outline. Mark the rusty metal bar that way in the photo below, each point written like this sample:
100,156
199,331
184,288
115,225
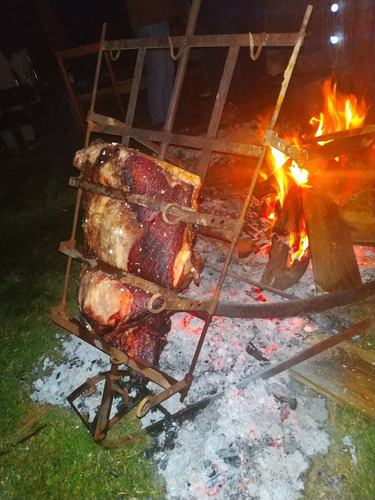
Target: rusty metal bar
116,90
257,284
181,70
161,298
96,79
102,418
71,93
79,194
312,351
106,125
298,155
224,226
83,50
134,92
217,112
242,40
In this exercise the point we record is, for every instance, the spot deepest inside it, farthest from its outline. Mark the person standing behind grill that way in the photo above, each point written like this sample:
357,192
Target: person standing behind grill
150,18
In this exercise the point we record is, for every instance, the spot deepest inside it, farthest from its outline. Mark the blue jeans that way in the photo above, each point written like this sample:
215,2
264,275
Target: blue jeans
160,72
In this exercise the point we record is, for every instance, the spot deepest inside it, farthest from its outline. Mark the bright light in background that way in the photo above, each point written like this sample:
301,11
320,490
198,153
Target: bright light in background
334,7
333,39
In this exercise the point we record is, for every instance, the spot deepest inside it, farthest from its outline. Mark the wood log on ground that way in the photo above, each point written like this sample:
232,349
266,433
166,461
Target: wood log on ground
334,263
289,218
277,274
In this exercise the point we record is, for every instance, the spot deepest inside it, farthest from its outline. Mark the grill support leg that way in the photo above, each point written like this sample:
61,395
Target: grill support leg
101,423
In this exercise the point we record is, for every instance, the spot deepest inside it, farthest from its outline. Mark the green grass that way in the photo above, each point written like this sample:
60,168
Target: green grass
336,476
61,461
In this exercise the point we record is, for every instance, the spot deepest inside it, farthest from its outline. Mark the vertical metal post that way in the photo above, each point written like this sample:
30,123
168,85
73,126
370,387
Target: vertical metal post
217,112
115,88
181,69
96,80
102,418
134,92
71,93
280,100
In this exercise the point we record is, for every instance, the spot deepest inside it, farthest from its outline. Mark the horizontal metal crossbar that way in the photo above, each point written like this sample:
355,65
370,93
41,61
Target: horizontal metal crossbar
107,125
172,213
264,39
162,299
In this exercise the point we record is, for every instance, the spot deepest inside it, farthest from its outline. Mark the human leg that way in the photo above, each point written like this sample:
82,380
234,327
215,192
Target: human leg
160,73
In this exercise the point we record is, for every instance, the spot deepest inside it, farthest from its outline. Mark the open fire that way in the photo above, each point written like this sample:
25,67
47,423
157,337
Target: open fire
340,112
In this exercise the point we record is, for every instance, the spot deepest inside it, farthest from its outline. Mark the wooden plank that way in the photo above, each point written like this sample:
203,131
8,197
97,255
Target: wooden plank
345,373
335,266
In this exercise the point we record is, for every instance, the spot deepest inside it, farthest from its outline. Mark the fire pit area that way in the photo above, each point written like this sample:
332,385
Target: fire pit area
224,305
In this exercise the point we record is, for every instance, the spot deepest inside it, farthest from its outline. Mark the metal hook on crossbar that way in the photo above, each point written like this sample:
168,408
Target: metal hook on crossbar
255,56
118,53
174,56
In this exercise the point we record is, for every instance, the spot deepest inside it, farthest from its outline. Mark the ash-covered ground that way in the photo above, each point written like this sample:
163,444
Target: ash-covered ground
258,439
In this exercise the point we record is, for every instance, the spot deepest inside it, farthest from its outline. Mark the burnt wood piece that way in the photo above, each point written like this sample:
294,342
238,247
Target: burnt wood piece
338,147
277,274
266,188
289,218
341,134
335,266
256,353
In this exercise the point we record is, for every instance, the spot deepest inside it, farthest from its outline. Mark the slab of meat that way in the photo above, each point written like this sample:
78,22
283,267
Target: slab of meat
134,239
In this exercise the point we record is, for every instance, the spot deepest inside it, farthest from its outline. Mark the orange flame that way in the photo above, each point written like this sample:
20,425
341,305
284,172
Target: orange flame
298,240
340,112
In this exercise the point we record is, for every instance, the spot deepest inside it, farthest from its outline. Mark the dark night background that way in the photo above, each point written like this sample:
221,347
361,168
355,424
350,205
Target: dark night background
44,26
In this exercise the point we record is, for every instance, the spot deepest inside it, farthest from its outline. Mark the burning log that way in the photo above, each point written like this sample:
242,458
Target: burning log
342,143
334,263
277,274
137,240
289,218
280,272
266,188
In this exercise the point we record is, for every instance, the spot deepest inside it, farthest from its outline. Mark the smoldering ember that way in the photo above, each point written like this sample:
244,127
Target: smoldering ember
223,269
